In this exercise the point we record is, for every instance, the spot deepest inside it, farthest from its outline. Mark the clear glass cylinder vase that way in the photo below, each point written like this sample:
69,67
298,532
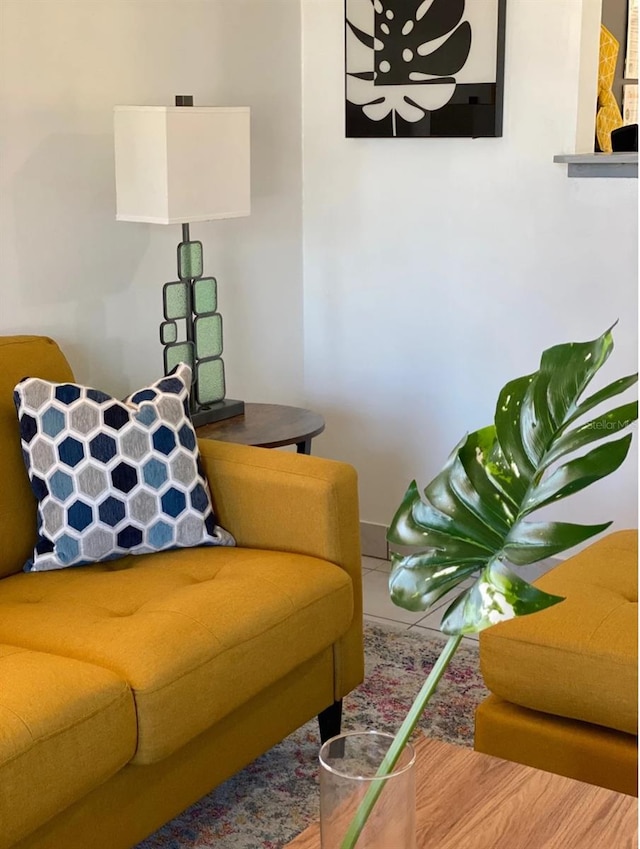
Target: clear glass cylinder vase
348,767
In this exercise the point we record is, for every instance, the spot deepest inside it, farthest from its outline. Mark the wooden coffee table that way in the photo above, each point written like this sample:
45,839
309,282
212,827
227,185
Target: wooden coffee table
267,426
467,800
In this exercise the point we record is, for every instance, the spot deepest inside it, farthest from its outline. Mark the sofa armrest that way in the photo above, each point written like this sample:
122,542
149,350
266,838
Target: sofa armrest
282,501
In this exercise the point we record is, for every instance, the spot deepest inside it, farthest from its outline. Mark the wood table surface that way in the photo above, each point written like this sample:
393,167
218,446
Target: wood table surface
468,800
267,426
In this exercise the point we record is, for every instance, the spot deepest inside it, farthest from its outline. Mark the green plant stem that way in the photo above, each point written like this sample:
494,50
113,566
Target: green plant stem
399,742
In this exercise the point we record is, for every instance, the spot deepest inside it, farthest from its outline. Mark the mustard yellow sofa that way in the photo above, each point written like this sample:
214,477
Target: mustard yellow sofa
564,681
129,689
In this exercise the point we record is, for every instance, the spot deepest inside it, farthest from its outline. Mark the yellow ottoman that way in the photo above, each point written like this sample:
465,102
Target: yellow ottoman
564,681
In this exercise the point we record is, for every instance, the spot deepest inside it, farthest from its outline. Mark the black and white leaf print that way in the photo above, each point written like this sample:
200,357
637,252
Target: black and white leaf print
424,67
415,40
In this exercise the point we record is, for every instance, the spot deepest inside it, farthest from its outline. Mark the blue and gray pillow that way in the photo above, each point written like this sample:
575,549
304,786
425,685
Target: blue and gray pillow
112,477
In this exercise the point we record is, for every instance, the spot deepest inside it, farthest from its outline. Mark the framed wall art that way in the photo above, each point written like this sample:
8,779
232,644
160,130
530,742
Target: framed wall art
424,68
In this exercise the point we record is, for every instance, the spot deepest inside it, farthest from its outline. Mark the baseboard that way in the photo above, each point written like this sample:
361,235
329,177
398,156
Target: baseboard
373,540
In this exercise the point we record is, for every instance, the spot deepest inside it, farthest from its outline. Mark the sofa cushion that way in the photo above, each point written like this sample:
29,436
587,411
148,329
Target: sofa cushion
113,477
65,728
19,356
195,633
578,659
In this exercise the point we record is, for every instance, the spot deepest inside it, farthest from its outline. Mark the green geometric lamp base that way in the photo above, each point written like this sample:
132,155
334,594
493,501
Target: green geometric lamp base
217,412
190,305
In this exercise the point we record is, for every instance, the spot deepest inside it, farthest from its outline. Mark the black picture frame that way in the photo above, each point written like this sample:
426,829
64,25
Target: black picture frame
411,68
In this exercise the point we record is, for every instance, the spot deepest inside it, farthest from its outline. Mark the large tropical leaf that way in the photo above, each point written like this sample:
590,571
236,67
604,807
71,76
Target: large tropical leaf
473,520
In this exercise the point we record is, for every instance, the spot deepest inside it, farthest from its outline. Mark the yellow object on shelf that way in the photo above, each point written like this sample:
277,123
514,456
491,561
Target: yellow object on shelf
608,117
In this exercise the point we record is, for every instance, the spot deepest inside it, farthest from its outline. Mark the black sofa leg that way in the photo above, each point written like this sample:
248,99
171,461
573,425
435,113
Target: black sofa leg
330,721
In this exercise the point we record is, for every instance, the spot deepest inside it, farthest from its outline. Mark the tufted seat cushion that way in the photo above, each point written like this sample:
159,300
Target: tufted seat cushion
579,658
65,728
195,633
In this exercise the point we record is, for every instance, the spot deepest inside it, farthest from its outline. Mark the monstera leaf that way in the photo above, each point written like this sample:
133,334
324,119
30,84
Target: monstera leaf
475,518
414,37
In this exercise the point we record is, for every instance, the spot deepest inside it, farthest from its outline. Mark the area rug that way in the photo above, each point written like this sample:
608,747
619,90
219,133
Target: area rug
276,797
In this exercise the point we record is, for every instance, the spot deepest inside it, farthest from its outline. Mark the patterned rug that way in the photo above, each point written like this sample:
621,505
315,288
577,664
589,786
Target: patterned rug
276,797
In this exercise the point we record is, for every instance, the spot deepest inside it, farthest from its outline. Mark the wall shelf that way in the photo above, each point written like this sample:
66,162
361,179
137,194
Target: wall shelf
600,164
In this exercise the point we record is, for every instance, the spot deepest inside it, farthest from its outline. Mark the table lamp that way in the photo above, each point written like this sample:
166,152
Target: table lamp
176,165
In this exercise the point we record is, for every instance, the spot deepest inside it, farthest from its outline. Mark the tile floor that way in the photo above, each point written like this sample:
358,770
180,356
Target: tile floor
378,607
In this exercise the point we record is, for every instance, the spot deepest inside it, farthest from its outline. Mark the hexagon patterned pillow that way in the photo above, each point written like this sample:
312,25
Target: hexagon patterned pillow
112,477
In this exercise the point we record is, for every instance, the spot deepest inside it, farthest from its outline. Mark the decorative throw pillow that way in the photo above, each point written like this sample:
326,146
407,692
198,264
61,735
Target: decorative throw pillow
112,477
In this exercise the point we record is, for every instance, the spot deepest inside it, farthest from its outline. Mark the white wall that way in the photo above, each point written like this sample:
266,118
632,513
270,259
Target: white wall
68,269
437,269
434,270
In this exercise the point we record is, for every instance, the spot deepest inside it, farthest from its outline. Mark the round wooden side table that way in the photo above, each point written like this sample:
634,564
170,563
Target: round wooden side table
267,426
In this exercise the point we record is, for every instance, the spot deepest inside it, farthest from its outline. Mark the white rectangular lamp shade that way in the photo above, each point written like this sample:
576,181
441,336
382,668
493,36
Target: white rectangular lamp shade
178,164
